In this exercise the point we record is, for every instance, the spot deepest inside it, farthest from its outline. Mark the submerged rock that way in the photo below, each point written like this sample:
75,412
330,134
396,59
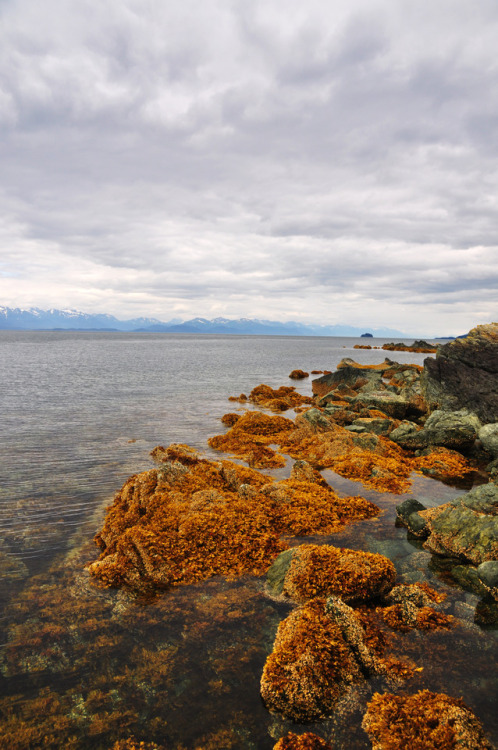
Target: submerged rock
424,721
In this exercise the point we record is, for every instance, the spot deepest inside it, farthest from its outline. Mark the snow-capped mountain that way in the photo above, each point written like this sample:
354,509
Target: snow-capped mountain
35,319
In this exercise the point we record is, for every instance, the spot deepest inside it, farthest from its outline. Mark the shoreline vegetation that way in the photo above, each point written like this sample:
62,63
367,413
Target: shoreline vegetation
341,664
192,518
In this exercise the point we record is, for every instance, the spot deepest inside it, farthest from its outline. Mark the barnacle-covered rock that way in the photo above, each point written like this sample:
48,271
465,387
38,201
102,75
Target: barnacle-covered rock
320,650
412,607
424,721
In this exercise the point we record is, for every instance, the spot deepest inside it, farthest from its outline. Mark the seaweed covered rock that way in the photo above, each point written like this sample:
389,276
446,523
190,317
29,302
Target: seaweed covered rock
305,741
464,374
192,519
319,652
312,570
424,721
250,438
278,399
299,375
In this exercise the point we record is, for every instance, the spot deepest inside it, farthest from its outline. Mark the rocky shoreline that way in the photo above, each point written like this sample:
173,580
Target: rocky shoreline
192,518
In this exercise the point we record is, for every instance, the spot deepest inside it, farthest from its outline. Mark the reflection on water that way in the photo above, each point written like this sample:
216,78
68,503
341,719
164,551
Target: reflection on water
81,666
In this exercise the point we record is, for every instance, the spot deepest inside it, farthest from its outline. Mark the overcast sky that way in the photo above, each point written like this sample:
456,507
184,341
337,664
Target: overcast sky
323,161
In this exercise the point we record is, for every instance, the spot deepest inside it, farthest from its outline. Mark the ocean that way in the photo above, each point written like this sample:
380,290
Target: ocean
85,667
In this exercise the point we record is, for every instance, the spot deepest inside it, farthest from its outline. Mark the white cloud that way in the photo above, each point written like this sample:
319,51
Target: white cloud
330,162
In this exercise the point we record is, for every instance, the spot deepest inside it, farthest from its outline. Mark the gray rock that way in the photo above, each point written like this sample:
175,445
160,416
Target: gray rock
464,374
452,429
488,573
488,435
409,436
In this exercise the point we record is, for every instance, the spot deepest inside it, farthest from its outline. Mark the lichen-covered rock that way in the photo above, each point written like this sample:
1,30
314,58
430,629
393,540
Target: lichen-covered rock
424,721
467,527
312,570
464,374
408,513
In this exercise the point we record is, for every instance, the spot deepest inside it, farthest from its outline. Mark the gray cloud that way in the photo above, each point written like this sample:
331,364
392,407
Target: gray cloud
320,162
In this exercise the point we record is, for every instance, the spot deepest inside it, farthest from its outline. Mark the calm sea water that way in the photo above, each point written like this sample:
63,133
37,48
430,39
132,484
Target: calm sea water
80,413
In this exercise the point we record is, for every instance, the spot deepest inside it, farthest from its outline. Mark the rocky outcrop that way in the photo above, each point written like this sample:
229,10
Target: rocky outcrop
424,721
464,374
322,570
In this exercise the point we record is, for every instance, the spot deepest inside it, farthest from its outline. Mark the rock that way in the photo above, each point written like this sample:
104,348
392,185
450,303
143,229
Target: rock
316,419
408,435
322,570
424,721
411,606
391,404
488,576
452,429
488,435
464,374
348,373
276,575
409,515
377,425
467,527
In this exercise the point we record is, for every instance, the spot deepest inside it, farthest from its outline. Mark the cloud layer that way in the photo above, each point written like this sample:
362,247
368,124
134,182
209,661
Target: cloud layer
326,162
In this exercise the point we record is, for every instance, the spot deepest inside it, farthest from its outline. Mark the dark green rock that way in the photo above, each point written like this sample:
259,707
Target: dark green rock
276,575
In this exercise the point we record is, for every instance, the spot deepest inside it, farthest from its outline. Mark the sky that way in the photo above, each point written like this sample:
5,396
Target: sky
326,162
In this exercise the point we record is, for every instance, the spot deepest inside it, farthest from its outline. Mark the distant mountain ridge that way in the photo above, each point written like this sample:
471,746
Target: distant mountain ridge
35,319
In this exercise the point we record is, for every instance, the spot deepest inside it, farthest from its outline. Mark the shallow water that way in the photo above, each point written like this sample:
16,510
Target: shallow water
80,666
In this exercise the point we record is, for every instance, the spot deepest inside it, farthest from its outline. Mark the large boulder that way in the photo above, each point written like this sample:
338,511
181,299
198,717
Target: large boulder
464,374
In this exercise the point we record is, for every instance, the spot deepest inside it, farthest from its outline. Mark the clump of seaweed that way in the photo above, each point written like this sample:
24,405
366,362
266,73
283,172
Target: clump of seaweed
299,375
323,570
305,741
250,438
192,519
279,399
424,721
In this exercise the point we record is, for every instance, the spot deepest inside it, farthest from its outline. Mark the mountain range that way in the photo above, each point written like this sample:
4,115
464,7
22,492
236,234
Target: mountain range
34,319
